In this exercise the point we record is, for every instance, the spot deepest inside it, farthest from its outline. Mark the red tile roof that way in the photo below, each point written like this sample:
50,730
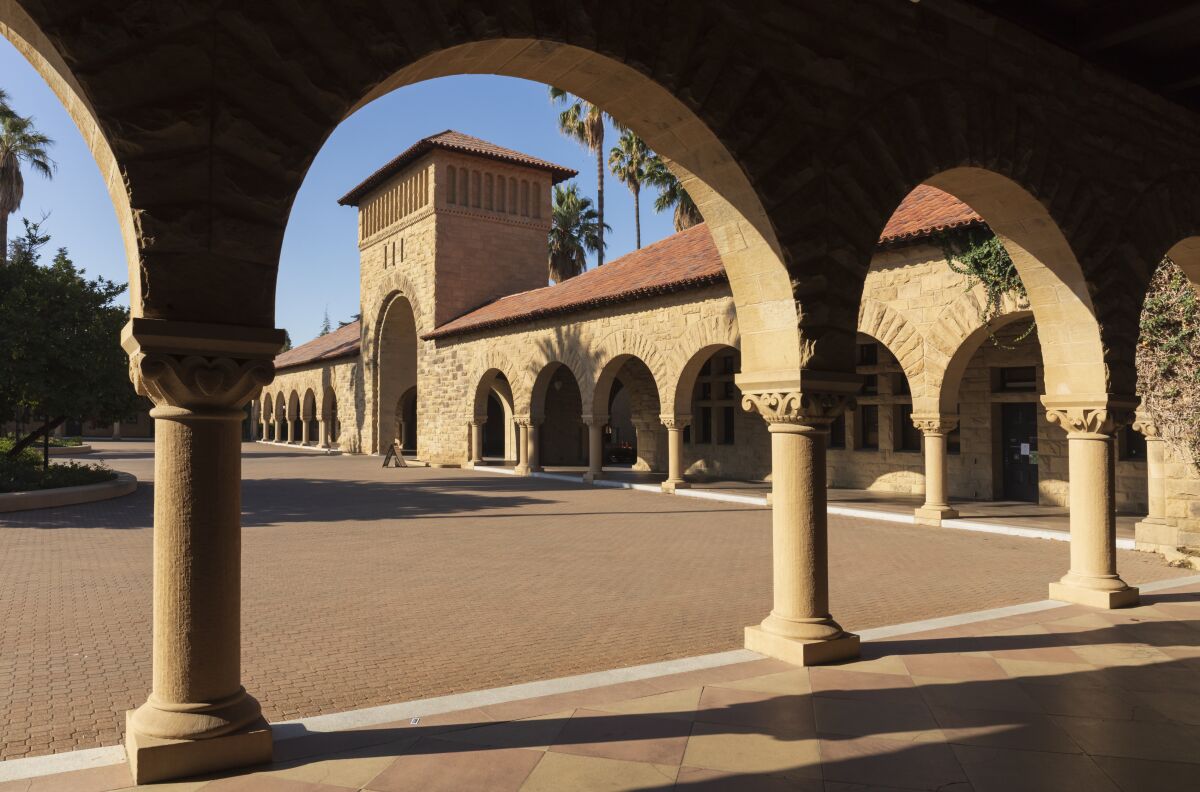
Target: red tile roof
685,260
453,141
339,343
925,210
681,261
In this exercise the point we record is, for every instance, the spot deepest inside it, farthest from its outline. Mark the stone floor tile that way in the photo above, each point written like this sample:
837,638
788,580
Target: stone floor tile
1000,770
740,749
884,664
351,770
1140,775
95,779
878,761
676,704
954,666
1155,740
909,722
1112,702
1177,706
771,712
1121,655
537,733
789,683
995,694
1078,674
833,682
435,765
698,779
561,772
1024,731
265,782
634,738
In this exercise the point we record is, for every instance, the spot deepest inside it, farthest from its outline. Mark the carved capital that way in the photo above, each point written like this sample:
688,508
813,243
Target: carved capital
479,420
1090,420
935,423
523,420
812,408
676,422
594,419
1144,424
198,367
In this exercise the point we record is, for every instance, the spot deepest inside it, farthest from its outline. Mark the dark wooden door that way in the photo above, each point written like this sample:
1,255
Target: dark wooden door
1019,430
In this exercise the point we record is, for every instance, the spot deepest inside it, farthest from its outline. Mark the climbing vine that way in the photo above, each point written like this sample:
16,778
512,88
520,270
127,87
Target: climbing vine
980,256
1168,358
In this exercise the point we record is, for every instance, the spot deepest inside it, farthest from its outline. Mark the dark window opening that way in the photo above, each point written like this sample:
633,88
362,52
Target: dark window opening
727,417
837,432
1132,445
910,436
1021,379
870,385
868,354
705,428
868,427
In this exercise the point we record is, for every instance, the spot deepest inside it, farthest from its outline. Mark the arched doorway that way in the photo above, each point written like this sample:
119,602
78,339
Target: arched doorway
395,373
556,401
634,435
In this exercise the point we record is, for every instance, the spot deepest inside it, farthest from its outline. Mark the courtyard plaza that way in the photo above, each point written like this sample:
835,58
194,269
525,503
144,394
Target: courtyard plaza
353,575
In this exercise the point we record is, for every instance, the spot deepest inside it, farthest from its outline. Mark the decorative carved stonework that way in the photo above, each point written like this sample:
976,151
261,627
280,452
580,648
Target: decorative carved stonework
816,409
676,422
934,423
594,418
1145,425
523,420
1090,420
200,367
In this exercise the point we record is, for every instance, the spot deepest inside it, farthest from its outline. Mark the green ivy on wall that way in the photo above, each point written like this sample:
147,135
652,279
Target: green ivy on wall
979,255
1168,357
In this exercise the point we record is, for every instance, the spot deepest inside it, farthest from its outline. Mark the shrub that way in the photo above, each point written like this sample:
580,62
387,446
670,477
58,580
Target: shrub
24,472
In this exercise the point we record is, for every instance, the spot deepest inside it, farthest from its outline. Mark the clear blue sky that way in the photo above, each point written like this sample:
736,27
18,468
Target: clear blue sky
319,261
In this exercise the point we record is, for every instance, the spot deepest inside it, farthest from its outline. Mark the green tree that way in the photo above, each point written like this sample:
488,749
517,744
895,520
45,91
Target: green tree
575,231
325,325
584,122
628,161
287,342
20,143
671,194
60,352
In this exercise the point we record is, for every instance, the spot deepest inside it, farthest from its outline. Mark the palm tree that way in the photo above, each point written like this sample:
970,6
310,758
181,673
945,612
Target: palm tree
628,161
19,142
575,231
584,122
671,194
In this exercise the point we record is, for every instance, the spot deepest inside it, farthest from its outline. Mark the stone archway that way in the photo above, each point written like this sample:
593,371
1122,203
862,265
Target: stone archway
308,413
556,408
628,392
394,367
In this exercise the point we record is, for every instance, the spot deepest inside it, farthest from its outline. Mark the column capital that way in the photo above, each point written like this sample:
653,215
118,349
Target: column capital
595,418
1144,424
522,420
814,409
478,420
676,422
199,367
935,423
1084,417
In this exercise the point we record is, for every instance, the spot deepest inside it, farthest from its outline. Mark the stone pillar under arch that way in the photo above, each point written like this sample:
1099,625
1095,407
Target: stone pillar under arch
322,430
477,440
1155,531
800,628
535,455
522,468
278,438
198,718
675,425
304,438
1091,433
595,426
935,427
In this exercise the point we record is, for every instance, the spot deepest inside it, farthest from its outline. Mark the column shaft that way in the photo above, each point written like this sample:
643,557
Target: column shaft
1156,480
595,450
476,442
522,449
304,430
535,442
675,479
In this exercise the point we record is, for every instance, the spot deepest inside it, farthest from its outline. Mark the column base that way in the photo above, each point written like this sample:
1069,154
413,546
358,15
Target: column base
801,652
590,477
933,515
521,470
153,759
671,486
1094,598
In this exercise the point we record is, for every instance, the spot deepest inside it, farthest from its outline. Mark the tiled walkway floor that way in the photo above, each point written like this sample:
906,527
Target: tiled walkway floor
1061,699
538,579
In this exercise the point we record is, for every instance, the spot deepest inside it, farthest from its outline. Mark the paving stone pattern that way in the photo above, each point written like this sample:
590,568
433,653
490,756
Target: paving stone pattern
366,586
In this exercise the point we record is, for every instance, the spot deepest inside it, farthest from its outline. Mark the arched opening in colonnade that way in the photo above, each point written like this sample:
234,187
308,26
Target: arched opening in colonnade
634,435
332,423
267,412
281,419
395,367
556,401
719,435
308,414
492,434
498,430
295,419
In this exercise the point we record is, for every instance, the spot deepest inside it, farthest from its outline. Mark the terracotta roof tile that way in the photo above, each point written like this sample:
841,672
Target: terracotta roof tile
681,261
452,141
925,210
339,343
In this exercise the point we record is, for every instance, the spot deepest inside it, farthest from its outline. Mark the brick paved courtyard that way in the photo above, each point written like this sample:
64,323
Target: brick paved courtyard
365,586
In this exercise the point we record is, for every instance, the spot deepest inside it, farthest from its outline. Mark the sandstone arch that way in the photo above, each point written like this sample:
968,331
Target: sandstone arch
890,328
944,393
697,345
393,361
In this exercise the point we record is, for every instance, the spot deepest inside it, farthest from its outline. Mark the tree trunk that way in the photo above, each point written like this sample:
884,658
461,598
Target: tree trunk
46,448
3,238
600,198
637,218
46,428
